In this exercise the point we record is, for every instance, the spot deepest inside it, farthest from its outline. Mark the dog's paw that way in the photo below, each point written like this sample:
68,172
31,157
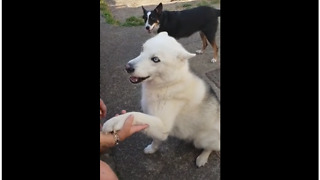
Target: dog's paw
201,161
199,51
113,124
213,60
107,127
149,149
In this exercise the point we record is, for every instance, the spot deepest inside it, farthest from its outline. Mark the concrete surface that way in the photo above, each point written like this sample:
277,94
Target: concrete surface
176,158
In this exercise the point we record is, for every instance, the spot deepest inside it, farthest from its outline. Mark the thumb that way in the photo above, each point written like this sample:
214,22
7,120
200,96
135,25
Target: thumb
129,121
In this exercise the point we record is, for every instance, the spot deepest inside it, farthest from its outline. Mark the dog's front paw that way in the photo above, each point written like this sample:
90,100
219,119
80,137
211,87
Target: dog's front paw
199,51
149,149
108,126
213,60
113,124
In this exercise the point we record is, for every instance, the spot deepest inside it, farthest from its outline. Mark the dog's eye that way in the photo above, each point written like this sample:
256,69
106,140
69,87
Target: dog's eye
155,59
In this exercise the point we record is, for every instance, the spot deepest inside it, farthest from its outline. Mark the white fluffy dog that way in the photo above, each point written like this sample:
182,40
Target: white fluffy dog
175,102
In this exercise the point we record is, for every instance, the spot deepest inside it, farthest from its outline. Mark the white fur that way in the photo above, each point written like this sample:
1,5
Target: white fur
213,60
147,22
173,99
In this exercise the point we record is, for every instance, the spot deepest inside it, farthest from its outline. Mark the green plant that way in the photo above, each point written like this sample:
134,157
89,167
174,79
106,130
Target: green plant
107,14
203,3
133,21
186,5
208,2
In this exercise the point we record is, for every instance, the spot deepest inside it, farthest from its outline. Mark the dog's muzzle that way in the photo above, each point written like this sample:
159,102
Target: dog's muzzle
148,29
129,68
133,79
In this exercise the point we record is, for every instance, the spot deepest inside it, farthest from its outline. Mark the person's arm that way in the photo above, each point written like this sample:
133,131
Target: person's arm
106,141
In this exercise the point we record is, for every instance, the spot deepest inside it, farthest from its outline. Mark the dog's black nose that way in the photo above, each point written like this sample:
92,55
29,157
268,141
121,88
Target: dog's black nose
129,68
147,27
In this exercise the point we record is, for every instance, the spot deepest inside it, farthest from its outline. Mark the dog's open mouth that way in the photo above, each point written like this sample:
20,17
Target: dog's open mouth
136,80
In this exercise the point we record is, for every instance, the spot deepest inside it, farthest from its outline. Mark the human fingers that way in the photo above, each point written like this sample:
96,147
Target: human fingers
133,128
124,132
137,128
122,112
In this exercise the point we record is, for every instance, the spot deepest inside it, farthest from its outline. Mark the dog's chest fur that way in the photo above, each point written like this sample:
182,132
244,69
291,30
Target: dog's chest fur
156,101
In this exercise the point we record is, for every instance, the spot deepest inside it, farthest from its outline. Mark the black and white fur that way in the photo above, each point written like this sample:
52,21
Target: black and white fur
184,23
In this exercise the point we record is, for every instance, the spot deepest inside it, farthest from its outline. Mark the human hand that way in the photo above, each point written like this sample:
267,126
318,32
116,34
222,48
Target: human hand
123,125
122,112
103,109
128,129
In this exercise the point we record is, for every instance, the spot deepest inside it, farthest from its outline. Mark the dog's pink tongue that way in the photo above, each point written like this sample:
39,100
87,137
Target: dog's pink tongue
133,79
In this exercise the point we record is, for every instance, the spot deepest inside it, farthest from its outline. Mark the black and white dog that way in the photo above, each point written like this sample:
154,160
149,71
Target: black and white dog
184,23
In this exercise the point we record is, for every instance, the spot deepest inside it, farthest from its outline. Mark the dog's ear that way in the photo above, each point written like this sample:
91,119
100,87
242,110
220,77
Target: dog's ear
158,9
185,55
144,10
144,16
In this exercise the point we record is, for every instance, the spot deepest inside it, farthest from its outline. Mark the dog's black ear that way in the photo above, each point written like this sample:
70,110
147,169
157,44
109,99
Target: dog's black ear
144,13
158,9
144,10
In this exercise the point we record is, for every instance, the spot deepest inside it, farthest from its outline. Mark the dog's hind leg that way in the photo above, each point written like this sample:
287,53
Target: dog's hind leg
210,35
215,51
202,159
209,142
204,43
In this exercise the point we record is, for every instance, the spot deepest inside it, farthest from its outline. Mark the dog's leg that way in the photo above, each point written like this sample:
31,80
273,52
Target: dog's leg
211,38
215,51
209,141
156,129
204,43
153,147
159,127
202,159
